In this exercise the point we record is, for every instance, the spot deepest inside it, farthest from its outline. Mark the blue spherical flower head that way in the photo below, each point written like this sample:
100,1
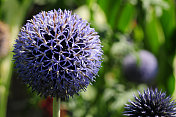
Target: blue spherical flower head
151,103
57,53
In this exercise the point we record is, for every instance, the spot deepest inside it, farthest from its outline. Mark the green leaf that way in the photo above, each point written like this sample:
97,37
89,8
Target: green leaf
119,13
14,14
154,34
168,19
111,9
138,34
168,22
125,18
171,84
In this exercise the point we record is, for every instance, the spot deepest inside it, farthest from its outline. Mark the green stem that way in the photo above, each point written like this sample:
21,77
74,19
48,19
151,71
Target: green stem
5,77
56,107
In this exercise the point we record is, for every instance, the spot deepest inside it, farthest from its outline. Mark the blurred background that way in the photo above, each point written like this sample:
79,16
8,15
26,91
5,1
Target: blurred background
139,44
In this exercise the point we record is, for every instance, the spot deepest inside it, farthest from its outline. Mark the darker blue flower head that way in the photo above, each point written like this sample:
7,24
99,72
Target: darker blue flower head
151,104
57,53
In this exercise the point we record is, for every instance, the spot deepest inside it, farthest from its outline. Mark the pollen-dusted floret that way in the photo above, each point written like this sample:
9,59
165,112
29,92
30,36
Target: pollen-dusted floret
151,103
57,53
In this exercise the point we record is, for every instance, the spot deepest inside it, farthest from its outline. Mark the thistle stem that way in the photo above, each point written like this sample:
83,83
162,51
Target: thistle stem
56,107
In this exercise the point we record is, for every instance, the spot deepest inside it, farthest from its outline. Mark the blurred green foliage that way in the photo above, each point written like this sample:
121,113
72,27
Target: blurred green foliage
124,26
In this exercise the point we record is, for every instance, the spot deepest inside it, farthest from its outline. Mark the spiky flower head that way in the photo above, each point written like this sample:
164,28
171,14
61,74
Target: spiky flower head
151,103
57,53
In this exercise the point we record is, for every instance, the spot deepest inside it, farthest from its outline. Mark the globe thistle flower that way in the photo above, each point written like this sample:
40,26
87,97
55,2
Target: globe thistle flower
57,53
151,103
140,68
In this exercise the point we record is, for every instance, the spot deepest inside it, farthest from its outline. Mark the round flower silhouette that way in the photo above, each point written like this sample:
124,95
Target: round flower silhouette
57,53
